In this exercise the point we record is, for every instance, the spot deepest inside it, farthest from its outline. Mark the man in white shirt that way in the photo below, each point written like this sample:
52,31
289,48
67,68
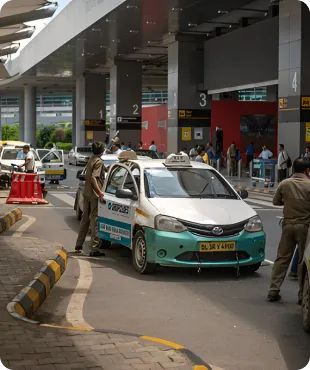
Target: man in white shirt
265,154
153,147
117,149
30,163
282,163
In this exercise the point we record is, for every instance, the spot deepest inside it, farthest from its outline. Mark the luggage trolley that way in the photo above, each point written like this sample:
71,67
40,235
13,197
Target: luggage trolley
264,172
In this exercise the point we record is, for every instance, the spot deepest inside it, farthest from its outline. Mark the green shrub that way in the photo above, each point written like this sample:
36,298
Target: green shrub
64,146
48,145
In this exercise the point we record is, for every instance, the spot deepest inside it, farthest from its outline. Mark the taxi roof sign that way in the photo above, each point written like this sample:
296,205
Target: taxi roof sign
178,160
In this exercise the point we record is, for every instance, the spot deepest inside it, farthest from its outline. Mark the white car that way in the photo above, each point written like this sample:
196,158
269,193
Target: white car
306,287
179,213
12,154
80,155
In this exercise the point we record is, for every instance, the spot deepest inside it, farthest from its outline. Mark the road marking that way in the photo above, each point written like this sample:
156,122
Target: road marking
163,341
61,192
74,314
19,232
65,198
268,261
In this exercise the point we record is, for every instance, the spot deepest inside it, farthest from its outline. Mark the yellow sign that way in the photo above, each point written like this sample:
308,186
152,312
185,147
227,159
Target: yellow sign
87,123
308,132
283,103
305,102
89,135
186,133
169,113
181,113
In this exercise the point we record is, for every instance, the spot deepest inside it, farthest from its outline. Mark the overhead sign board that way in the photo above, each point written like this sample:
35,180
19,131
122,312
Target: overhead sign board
305,102
92,122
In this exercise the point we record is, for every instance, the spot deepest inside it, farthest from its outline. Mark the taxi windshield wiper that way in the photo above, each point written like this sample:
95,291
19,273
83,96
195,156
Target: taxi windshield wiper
226,196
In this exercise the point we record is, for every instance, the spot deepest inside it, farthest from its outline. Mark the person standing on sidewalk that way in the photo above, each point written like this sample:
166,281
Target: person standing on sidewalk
294,195
250,154
95,174
30,164
232,157
283,159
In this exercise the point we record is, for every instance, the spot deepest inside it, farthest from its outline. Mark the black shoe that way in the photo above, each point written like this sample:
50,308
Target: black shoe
96,254
274,298
78,249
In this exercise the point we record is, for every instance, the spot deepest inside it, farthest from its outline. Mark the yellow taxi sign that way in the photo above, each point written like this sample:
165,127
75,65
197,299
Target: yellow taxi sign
305,102
178,160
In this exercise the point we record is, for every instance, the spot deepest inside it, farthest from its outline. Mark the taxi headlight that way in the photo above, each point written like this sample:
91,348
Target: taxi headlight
254,225
164,223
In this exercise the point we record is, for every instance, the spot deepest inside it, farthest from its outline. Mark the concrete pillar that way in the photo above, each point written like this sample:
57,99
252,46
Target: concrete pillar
73,119
189,106
90,110
126,100
294,78
30,104
21,102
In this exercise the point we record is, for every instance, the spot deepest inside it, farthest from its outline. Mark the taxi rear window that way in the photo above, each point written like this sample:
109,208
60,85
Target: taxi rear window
187,183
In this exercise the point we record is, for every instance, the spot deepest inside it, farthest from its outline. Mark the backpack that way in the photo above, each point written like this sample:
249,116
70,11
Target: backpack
288,161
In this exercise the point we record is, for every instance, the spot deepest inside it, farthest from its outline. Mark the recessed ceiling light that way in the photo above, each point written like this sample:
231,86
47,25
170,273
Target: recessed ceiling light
223,11
150,22
192,25
176,9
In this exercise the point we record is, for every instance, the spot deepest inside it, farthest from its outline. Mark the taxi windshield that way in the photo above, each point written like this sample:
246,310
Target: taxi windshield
16,154
186,183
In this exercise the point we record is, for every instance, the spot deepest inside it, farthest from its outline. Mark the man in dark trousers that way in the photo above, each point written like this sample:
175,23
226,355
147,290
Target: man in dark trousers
294,195
95,174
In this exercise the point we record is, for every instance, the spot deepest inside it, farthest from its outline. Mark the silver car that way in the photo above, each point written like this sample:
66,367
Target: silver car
80,155
108,159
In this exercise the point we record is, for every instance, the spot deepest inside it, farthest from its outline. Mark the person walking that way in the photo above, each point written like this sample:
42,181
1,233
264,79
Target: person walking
282,163
294,195
232,157
211,154
95,174
250,154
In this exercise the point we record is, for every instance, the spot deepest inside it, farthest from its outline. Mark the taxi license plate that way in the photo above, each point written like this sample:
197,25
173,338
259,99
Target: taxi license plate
52,177
217,246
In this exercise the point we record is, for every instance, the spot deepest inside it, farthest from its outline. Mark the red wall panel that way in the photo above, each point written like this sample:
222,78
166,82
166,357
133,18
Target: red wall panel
153,115
226,115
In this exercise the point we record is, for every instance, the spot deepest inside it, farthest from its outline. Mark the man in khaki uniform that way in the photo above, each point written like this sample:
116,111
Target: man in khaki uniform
95,174
294,194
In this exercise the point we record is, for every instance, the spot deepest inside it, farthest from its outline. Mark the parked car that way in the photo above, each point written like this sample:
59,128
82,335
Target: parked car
147,153
80,155
109,159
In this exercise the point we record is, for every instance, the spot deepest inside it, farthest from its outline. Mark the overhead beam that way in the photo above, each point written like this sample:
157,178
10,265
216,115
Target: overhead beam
34,15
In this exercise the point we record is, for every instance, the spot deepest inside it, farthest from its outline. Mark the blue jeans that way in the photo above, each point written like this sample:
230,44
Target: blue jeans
294,267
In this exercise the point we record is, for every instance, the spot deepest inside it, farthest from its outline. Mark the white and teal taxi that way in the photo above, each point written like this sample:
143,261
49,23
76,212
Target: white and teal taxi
306,288
179,213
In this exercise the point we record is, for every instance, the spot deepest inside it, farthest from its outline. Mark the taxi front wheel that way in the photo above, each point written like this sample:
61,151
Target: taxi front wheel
306,304
139,255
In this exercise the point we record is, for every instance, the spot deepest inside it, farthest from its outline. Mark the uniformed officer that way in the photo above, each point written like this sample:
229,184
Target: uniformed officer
294,195
95,174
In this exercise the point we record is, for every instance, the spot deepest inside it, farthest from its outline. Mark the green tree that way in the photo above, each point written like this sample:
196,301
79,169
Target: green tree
45,134
68,135
10,132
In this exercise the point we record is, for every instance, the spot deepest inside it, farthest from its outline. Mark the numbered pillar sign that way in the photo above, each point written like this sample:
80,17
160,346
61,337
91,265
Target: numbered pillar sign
203,100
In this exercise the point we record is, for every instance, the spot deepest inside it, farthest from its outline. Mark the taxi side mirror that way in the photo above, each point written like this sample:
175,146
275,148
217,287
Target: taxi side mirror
125,194
243,194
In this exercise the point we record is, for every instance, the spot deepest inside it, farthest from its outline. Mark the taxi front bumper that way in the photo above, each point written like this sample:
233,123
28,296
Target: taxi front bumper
183,249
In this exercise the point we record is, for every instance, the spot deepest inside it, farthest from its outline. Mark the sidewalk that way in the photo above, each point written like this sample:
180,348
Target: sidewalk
30,347
245,183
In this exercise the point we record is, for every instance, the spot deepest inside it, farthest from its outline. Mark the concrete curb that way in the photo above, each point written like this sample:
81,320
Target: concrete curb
255,190
30,298
10,219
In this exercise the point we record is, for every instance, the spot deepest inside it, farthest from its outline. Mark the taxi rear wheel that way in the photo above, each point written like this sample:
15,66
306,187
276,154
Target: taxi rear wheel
306,304
139,255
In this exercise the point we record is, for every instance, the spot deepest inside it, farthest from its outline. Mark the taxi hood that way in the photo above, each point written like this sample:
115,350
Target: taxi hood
204,211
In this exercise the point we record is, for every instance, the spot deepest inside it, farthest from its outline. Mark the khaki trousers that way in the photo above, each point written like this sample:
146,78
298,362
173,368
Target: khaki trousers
89,219
292,235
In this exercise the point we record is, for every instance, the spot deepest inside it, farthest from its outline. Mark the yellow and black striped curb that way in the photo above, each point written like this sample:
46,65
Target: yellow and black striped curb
256,190
30,298
9,219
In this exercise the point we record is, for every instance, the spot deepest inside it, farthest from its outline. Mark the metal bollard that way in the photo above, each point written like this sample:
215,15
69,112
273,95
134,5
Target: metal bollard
218,164
276,174
228,167
251,164
240,169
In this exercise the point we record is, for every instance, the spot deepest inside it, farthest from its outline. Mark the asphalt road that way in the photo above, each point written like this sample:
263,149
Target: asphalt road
226,321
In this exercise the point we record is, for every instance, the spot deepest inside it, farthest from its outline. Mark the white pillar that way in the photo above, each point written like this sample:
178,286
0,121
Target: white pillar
73,119
30,115
80,111
21,102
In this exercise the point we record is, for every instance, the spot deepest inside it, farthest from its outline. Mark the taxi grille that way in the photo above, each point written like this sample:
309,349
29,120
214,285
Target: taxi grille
212,256
206,230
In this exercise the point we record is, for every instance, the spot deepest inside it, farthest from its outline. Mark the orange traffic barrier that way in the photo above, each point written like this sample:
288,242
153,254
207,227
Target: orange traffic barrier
26,189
